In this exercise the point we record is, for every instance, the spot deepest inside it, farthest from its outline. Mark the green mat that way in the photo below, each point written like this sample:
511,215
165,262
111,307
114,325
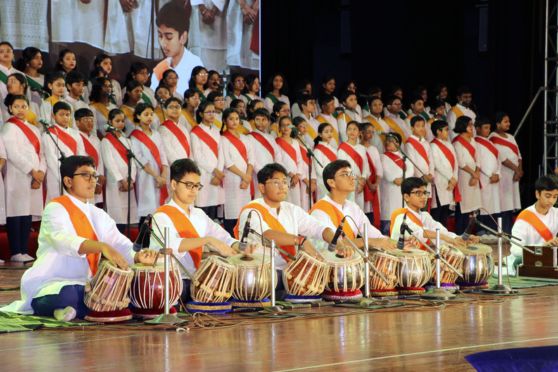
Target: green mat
11,322
524,282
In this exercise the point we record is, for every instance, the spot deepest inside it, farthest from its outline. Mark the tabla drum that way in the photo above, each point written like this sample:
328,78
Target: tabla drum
212,286
107,294
386,263
305,278
252,281
448,277
477,266
346,277
414,270
148,289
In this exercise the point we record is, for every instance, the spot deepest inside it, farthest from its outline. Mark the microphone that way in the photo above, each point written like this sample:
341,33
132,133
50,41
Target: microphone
402,229
294,132
338,232
45,124
109,128
246,229
469,230
145,231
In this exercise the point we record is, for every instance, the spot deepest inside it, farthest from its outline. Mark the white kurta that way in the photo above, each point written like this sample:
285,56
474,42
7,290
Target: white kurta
76,21
204,226
453,115
206,160
364,172
443,172
304,200
344,119
174,149
428,224
3,86
402,124
374,155
294,219
58,262
101,120
390,192
209,41
116,169
527,233
470,195
292,166
53,156
490,164
148,194
183,69
96,143
262,155
421,166
268,102
333,122
509,190
324,161
21,199
378,132
25,23
239,37
236,197
4,156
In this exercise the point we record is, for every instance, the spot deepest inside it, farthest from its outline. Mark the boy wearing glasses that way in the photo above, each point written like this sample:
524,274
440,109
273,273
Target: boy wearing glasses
74,235
420,222
68,140
190,228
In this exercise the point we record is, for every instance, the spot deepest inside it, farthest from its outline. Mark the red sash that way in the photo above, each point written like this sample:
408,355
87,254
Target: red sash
486,143
467,146
265,143
185,229
353,154
174,129
304,154
372,196
237,143
451,158
396,159
326,151
90,149
118,146
503,142
533,220
207,139
420,149
287,148
66,139
28,132
152,147
82,226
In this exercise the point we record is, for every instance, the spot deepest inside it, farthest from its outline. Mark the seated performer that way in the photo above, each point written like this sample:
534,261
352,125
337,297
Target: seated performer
73,236
285,223
331,209
190,228
420,222
536,225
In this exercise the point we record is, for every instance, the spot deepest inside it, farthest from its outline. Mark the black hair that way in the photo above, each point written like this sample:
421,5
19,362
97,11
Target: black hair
282,119
235,102
196,70
201,109
461,124
113,113
321,128
180,167
174,15
353,122
269,86
171,100
226,113
250,79
251,108
299,120
395,136
97,69
167,73
414,99
97,87
464,90
332,168
262,112
140,108
61,105
389,100
61,56
546,183
135,68
70,164
27,55
130,86
411,183
345,95
230,84
22,80
415,119
82,113
499,116
161,86
276,108
267,172
74,77
436,103
189,93
51,78
304,98
482,120
438,125
326,99
211,96
7,43
11,98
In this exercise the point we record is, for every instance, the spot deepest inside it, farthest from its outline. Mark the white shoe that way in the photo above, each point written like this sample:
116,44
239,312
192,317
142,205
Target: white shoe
17,258
27,258
1,261
66,314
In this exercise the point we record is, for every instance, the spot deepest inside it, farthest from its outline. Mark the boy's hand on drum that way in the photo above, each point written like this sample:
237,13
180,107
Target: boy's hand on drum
386,244
309,248
459,242
145,256
222,248
114,256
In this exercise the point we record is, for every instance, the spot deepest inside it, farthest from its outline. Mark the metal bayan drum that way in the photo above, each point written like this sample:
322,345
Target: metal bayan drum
107,295
414,270
386,263
477,266
305,278
212,286
346,277
252,280
148,289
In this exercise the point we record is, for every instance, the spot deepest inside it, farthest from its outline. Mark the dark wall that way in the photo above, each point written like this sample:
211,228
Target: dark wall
494,46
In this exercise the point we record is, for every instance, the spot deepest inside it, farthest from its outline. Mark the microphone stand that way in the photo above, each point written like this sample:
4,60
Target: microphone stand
62,155
438,293
310,154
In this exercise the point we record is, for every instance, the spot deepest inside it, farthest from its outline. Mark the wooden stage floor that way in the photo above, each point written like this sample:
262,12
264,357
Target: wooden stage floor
424,338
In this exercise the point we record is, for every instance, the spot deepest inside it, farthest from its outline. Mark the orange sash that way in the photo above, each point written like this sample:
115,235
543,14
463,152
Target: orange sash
90,149
335,215
322,120
457,111
189,118
396,128
182,139
533,220
185,229
101,108
273,224
83,228
207,139
28,132
410,215
161,68
66,139
357,158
